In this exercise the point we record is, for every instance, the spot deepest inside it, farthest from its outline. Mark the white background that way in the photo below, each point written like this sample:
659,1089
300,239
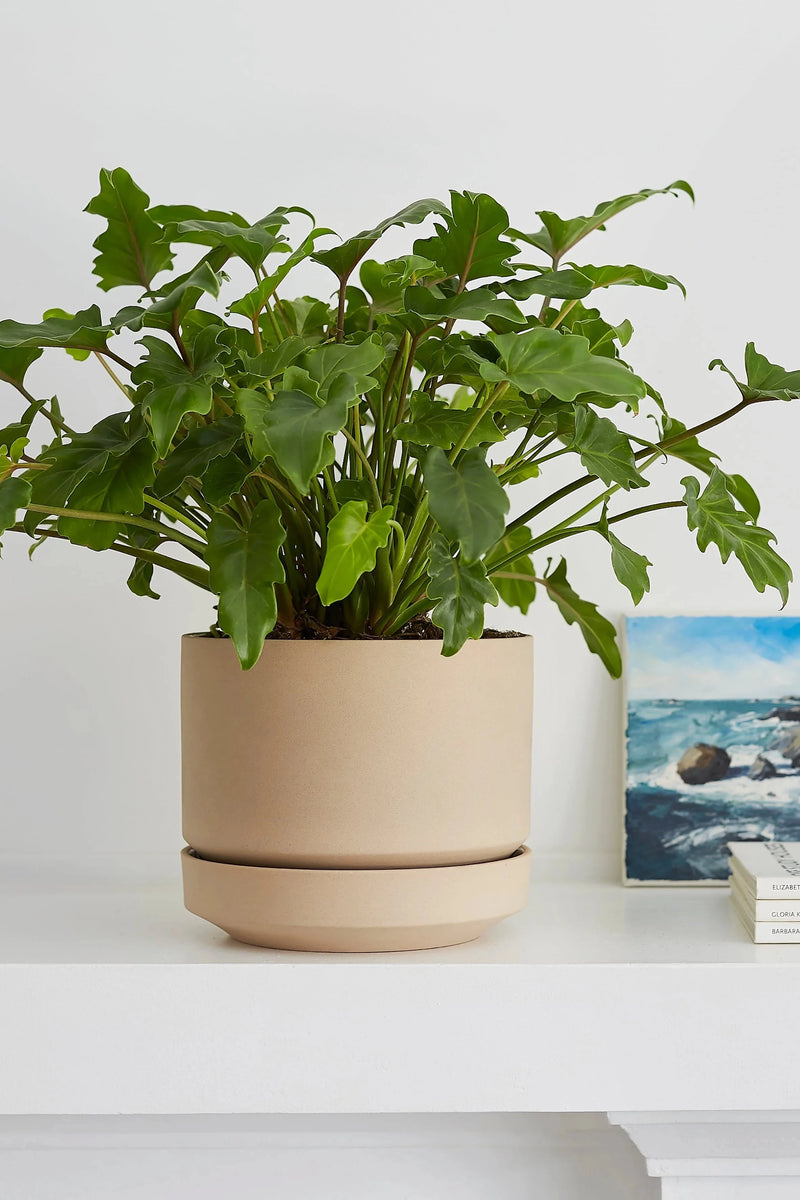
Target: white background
353,109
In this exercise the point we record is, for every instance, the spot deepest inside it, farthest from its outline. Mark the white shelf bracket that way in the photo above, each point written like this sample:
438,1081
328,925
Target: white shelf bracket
718,1155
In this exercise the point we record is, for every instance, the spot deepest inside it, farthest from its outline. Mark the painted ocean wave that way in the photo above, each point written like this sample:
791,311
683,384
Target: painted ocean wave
678,832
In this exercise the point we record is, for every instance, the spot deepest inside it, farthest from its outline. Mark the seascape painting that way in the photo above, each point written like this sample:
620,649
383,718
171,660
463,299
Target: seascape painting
713,742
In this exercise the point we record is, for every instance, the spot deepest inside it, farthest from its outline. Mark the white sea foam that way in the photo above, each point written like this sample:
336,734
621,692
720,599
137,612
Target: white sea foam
782,789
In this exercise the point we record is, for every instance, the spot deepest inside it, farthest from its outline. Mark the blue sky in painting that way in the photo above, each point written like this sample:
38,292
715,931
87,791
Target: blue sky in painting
707,658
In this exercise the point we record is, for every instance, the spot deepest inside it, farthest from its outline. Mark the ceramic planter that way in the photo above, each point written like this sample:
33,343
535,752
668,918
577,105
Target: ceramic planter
356,795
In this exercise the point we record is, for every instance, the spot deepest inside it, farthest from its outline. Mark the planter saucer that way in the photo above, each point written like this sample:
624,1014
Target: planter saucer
413,908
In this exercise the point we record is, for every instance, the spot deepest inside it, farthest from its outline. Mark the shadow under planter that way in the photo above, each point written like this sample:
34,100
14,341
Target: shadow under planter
356,795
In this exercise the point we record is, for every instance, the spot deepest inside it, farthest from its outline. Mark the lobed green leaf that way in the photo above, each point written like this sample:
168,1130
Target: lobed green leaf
462,590
245,565
713,514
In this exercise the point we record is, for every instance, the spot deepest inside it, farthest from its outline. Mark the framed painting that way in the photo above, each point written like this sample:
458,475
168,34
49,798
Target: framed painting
712,744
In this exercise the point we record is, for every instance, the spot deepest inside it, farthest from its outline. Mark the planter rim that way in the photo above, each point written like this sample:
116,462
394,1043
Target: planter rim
520,852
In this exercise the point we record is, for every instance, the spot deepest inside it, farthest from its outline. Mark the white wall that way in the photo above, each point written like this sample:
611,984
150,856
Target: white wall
353,109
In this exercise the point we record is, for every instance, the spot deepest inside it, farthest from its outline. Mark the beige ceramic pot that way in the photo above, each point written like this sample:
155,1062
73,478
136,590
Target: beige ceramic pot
380,761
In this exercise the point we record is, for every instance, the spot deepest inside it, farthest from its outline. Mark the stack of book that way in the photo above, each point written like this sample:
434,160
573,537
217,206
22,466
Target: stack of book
765,889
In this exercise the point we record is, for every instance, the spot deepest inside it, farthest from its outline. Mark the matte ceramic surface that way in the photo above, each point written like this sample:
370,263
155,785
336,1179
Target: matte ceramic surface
362,910
345,754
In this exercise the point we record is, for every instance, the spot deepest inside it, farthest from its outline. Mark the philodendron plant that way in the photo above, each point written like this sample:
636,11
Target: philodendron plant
343,465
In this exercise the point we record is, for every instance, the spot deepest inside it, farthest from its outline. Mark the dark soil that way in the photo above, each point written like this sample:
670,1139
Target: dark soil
420,629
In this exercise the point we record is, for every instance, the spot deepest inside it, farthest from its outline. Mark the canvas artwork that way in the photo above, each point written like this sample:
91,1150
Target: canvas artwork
713,742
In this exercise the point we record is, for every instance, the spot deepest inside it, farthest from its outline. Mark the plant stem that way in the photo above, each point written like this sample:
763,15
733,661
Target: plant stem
110,354
173,535
376,491
494,396
564,311
559,533
113,374
176,516
54,419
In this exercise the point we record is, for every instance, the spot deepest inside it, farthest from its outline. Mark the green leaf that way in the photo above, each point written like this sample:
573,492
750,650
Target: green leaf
15,494
275,360
140,580
629,567
225,478
174,389
470,244
557,236
602,277
558,285
78,355
764,379
295,430
467,500
132,250
516,581
192,456
84,455
245,566
14,364
255,300
251,243
688,449
744,495
598,633
462,590
604,450
84,331
141,576
184,292
602,336
343,259
386,282
326,364
559,362
352,547
118,488
305,316
715,517
476,305
435,423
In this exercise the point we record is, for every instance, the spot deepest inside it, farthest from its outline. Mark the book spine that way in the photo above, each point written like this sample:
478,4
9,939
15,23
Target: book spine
767,931
776,889
774,910
771,887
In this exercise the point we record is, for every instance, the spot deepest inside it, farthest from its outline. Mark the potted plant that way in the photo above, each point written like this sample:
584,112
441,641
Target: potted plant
337,471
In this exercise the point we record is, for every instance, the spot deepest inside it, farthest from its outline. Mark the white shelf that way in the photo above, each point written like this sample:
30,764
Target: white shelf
113,999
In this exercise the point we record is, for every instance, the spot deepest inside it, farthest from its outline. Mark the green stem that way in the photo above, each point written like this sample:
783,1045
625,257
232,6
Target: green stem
564,311
175,515
328,477
54,419
405,616
560,534
113,374
376,491
172,535
116,358
494,396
